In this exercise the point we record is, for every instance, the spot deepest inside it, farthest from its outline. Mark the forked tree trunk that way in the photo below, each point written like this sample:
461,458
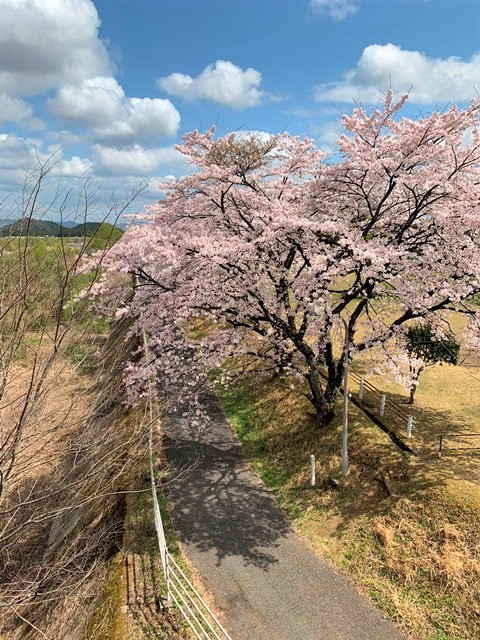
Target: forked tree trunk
414,386
323,394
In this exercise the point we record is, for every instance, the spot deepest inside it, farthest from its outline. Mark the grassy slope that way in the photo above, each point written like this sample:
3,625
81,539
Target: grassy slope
135,586
415,552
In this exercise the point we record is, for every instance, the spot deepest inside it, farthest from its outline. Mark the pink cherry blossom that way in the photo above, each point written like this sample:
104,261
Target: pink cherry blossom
277,246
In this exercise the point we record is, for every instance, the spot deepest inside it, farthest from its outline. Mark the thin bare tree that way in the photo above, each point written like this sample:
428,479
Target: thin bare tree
67,443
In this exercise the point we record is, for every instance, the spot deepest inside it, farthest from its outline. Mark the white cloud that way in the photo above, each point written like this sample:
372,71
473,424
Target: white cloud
433,79
20,157
100,104
110,171
144,121
326,134
46,43
95,102
335,9
245,134
137,161
75,167
64,137
13,109
14,152
17,160
222,82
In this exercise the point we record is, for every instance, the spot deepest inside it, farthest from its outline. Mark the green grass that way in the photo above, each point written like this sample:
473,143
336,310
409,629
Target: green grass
242,411
239,406
81,356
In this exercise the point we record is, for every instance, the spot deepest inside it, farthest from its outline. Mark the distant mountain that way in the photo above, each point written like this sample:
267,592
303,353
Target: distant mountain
6,221
33,227
83,229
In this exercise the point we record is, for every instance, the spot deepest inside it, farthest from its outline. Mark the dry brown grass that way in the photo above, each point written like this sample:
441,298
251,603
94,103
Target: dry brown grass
61,513
80,497
66,400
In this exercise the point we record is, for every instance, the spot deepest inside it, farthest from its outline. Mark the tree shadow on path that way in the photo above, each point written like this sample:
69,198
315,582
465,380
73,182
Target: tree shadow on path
220,505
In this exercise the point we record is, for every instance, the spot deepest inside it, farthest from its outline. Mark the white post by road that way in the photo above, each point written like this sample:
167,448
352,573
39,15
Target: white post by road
312,470
409,426
345,405
360,391
382,405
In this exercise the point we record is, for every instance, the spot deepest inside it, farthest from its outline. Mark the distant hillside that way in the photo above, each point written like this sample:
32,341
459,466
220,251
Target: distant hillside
5,221
33,227
69,223
84,229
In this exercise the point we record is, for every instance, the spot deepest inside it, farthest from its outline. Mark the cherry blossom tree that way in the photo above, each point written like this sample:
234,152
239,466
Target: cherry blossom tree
295,261
425,349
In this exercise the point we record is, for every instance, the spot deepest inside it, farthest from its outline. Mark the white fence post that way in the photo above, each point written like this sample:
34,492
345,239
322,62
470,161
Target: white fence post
167,580
360,391
410,423
312,470
439,444
382,404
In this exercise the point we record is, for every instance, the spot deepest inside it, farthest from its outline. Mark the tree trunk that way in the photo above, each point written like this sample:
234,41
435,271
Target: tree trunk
323,399
413,388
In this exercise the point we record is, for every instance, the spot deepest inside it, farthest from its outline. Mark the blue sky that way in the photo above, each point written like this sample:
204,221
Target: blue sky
110,85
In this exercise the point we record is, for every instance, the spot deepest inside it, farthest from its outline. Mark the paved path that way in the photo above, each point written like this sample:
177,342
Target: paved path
266,581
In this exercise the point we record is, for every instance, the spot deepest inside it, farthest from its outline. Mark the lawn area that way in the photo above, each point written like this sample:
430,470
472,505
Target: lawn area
405,528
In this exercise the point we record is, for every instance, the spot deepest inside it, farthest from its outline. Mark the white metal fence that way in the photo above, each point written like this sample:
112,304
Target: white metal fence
388,409
180,591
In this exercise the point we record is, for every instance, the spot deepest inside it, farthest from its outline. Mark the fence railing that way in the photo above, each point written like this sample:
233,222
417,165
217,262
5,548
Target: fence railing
394,412
180,592
441,437
191,605
388,409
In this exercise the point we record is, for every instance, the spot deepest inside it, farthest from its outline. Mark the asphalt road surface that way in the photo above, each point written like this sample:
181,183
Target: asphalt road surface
266,582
